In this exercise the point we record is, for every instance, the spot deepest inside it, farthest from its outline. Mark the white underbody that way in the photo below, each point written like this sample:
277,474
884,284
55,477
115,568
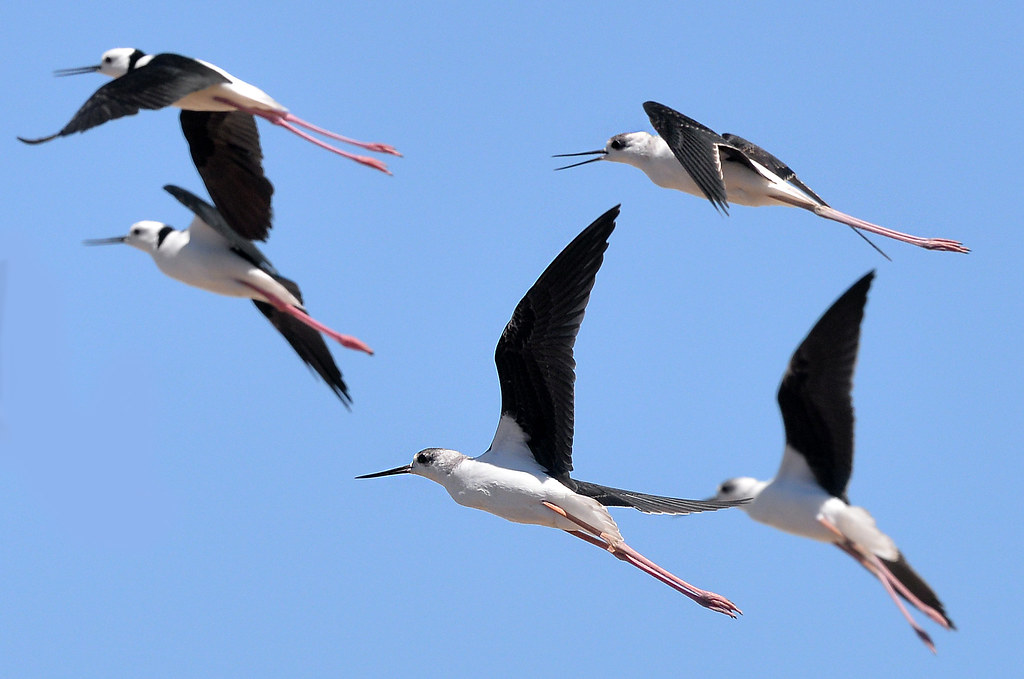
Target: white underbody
794,502
200,257
507,481
742,185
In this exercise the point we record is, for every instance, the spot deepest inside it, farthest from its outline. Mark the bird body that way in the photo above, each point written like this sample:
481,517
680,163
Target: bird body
202,258
239,93
795,503
508,482
746,184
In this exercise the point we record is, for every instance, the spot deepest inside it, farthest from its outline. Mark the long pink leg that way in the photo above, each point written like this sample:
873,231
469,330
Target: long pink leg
875,566
928,243
624,552
347,341
279,119
368,145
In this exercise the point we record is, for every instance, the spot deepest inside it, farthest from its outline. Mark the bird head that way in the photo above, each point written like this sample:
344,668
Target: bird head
432,463
739,488
115,63
622,148
145,235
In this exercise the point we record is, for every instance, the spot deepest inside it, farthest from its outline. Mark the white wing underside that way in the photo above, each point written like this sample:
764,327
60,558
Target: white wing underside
509,448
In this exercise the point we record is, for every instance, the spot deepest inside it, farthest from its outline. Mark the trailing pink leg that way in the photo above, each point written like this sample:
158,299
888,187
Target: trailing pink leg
347,341
927,243
875,566
368,145
624,552
280,119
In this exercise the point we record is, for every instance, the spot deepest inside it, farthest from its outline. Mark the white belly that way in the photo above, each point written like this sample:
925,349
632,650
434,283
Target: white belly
518,496
217,270
794,509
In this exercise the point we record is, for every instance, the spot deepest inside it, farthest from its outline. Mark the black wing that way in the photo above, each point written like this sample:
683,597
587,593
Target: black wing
784,172
161,82
307,342
817,408
213,219
536,368
696,147
225,148
649,504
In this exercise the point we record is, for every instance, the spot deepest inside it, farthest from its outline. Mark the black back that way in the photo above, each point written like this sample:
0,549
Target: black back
784,172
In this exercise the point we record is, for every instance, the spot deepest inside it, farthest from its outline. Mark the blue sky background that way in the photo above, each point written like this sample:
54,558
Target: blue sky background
176,490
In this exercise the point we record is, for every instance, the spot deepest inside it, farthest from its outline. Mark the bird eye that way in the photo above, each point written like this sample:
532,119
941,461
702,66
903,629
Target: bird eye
424,458
107,60
617,144
726,488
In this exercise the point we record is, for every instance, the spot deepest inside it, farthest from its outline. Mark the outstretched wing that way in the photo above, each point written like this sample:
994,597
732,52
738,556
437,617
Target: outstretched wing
815,398
649,504
534,357
225,148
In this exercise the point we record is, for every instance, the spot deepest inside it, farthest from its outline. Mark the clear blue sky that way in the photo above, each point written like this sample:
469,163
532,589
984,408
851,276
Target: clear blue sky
176,490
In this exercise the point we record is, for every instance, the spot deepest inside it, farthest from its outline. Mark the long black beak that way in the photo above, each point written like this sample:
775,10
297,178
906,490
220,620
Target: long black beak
105,241
602,153
76,71
404,469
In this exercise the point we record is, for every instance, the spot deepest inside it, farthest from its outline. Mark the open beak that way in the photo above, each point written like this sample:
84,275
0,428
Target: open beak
404,469
105,241
76,71
601,153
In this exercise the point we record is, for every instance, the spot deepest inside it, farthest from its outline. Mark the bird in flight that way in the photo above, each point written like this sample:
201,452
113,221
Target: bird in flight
524,474
808,497
693,158
155,81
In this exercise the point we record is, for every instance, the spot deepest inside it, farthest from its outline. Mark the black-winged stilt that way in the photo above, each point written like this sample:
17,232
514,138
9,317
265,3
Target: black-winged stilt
808,497
524,474
692,158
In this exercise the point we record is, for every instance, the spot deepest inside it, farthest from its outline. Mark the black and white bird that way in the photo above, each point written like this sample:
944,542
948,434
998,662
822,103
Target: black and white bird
808,497
692,158
154,81
524,474
212,255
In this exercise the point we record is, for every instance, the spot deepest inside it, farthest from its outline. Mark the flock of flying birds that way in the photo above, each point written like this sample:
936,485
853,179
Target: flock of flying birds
524,475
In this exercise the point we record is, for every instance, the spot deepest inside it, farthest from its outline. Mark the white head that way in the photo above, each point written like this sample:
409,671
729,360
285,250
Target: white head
115,63
146,235
433,463
629,147
118,61
739,488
